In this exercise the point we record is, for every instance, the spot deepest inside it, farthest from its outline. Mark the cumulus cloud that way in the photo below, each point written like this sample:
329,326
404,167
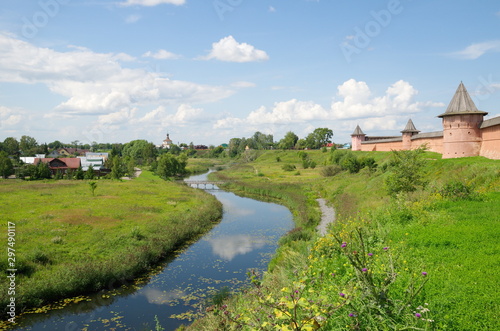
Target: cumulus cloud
161,55
475,51
9,118
185,114
354,100
229,50
151,3
96,83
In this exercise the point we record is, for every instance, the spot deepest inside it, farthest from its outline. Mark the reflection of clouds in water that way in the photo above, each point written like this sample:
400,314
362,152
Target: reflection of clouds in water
227,247
158,297
234,208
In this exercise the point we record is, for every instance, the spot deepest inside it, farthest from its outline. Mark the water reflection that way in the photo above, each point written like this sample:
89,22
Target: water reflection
245,239
227,247
157,297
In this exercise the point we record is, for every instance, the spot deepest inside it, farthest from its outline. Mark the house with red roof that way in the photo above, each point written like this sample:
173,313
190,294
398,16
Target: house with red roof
62,165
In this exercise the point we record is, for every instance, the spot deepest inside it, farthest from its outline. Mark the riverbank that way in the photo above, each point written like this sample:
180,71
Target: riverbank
70,242
427,238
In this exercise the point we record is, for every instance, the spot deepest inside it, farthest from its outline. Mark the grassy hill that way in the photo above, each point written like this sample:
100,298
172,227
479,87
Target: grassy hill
426,259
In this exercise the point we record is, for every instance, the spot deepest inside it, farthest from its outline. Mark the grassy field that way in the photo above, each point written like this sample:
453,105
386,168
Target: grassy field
427,260
69,242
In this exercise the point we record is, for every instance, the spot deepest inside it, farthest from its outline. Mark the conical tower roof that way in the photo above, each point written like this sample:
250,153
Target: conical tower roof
461,104
358,132
410,127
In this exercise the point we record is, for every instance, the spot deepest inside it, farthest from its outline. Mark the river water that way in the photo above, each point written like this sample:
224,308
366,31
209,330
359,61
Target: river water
245,239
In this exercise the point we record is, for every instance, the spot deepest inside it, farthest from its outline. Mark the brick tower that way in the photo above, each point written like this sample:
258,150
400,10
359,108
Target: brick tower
356,138
408,132
461,126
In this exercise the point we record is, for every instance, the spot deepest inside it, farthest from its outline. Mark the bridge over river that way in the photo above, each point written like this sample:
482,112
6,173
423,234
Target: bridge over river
205,184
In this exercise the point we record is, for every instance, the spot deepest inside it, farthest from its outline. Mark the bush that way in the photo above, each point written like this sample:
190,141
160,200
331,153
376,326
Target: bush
330,170
457,190
288,167
406,172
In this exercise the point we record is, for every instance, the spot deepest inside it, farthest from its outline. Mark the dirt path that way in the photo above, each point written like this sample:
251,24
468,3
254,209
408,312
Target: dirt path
137,173
327,216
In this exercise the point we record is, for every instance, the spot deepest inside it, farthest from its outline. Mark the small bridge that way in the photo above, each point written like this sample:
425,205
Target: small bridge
205,184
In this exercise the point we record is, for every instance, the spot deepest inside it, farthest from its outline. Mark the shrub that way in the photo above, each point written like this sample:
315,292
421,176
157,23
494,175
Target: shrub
406,172
288,167
457,190
330,170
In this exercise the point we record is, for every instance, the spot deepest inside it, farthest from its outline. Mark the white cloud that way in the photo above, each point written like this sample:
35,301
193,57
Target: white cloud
272,9
132,18
161,55
9,118
122,116
185,114
474,51
243,84
229,50
355,101
96,83
151,3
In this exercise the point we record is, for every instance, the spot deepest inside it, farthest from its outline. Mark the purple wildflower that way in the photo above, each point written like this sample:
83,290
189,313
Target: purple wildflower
386,248
344,244
365,269
418,315
342,294
424,273
370,254
352,315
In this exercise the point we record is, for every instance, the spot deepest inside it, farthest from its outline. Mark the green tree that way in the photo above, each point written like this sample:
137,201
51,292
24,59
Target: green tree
131,167
142,151
93,186
406,171
42,171
318,138
28,145
6,166
170,166
117,167
79,174
11,146
289,141
55,145
89,174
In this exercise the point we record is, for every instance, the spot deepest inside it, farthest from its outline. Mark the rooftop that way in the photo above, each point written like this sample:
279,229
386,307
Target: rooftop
462,104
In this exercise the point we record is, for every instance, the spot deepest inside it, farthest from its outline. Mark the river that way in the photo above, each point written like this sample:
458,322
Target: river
246,238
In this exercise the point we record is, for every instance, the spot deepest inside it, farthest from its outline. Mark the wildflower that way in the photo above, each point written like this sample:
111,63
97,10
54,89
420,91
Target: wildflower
344,244
342,294
365,269
333,274
370,254
424,273
418,315
352,315
386,248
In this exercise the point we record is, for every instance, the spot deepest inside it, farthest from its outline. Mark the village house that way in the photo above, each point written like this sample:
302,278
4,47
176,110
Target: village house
62,165
465,133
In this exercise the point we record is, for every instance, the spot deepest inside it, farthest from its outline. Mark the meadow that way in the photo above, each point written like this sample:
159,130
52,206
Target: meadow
70,240
425,260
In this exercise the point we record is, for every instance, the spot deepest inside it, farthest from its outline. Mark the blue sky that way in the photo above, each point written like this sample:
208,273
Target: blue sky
207,71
